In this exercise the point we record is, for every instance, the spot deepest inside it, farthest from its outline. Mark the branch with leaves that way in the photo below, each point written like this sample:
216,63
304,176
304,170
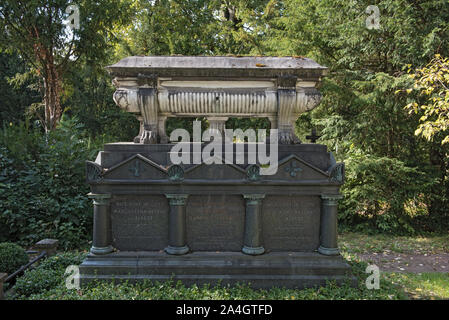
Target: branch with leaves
432,83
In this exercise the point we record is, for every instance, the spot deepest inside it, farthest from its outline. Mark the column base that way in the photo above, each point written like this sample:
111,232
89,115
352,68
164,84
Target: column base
328,251
177,250
254,251
101,250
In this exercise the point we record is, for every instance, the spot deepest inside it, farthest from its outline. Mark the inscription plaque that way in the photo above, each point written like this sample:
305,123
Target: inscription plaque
291,223
139,222
215,223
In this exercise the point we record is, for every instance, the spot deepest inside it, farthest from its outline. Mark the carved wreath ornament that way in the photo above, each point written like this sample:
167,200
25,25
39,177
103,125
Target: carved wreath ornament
253,173
175,173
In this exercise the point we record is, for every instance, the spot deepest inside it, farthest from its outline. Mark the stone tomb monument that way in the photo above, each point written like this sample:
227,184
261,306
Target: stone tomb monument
202,223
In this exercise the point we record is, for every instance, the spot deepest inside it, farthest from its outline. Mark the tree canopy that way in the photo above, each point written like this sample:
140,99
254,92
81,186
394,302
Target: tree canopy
397,181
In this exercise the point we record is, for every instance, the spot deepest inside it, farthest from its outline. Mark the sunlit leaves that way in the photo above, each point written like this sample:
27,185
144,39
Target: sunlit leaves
432,82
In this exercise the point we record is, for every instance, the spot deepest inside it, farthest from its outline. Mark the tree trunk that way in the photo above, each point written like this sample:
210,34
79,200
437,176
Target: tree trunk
52,100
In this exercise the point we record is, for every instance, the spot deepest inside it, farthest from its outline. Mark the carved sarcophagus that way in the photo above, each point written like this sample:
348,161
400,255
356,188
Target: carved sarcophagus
223,221
155,88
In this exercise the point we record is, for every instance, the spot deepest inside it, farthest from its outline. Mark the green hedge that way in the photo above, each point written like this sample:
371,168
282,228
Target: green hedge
49,274
12,257
42,185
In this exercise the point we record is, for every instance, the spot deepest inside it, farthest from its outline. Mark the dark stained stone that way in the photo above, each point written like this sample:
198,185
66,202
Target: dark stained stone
139,222
215,223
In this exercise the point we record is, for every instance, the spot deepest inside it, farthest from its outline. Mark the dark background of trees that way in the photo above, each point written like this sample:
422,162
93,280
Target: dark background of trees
397,182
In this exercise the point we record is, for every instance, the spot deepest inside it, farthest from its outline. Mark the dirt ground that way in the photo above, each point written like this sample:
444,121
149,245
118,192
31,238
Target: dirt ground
415,263
399,254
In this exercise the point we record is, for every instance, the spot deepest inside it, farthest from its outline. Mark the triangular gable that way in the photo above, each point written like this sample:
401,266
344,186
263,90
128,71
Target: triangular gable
135,168
295,168
223,171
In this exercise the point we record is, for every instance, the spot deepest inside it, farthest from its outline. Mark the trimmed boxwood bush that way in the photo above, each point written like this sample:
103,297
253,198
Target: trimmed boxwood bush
12,257
49,274
37,281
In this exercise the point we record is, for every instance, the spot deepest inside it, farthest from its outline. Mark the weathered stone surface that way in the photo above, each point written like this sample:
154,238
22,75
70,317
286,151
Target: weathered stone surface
202,222
139,222
215,223
154,88
48,245
275,269
291,223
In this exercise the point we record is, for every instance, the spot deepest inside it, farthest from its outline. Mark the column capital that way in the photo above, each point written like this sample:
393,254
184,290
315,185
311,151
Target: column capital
177,199
100,198
331,199
253,199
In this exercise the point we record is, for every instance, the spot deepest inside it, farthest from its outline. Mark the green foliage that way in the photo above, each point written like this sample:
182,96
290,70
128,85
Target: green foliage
214,27
360,116
49,274
47,281
380,190
88,97
36,281
12,257
42,184
397,181
17,88
50,284
38,33
433,82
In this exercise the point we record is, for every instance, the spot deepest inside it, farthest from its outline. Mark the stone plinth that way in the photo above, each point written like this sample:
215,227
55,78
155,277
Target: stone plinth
223,218
48,245
205,223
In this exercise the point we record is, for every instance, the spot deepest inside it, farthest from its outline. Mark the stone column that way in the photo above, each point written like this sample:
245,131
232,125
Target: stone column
177,224
252,240
217,123
141,129
102,239
328,228
163,138
273,122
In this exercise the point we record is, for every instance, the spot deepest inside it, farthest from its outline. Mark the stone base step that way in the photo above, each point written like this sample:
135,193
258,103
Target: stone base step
274,269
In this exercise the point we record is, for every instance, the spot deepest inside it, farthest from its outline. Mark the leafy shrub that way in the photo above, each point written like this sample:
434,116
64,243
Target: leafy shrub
378,192
12,257
42,184
49,274
61,261
36,281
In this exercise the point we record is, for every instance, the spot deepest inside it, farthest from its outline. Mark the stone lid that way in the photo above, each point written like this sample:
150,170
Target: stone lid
217,66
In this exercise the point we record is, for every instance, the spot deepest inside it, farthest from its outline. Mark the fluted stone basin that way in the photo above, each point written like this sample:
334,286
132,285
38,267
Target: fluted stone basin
155,88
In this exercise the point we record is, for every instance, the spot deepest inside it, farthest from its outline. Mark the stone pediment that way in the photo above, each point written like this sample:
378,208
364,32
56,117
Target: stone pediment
294,168
223,171
136,168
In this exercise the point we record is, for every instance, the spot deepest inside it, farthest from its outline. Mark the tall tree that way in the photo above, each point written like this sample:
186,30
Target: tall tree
38,31
193,27
369,46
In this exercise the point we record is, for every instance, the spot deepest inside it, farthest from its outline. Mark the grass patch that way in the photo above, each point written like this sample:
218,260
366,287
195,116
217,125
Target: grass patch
429,285
393,286
362,243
